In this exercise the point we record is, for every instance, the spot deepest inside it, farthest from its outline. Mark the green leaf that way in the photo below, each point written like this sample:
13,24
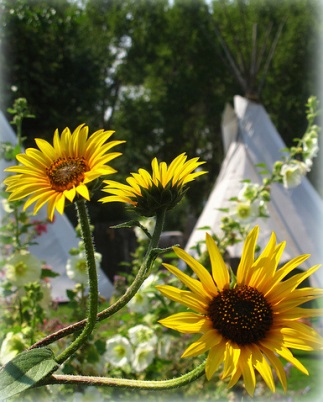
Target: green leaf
48,273
128,224
26,370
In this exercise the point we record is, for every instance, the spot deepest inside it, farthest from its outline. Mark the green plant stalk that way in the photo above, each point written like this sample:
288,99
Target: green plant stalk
17,228
93,283
131,291
127,383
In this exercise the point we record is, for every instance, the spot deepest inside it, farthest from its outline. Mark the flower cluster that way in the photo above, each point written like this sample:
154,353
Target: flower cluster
301,156
136,351
250,204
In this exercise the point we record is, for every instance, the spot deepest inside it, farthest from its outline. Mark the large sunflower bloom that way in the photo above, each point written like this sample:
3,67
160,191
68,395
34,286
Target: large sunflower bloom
246,324
162,189
54,173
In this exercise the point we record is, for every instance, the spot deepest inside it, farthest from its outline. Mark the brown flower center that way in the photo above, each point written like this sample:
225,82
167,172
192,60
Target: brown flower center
65,173
241,315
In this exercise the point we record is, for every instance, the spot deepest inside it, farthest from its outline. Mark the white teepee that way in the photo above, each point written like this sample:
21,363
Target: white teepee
53,247
296,215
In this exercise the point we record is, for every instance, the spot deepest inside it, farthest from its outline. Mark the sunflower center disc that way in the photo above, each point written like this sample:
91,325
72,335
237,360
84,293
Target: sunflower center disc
241,315
65,173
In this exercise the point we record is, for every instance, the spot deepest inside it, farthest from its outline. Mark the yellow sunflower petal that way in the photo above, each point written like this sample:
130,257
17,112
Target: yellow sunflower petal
188,323
203,275
46,148
70,194
262,366
60,203
220,271
285,270
277,365
284,289
193,284
234,378
275,343
247,370
231,359
184,297
83,191
214,359
206,342
247,258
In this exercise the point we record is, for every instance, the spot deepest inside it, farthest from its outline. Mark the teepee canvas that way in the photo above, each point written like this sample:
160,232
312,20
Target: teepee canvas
54,245
295,215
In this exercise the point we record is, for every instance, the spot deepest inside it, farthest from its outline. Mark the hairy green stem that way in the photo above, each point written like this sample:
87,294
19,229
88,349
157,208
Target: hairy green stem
131,291
93,283
126,383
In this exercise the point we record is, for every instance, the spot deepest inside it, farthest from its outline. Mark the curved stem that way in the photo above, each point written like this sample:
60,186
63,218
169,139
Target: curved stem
125,383
93,283
131,291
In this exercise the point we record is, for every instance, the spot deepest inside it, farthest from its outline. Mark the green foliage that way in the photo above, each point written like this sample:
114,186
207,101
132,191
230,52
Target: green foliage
25,371
155,71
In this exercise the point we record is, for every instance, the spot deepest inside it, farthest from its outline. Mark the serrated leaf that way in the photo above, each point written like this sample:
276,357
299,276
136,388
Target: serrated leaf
26,370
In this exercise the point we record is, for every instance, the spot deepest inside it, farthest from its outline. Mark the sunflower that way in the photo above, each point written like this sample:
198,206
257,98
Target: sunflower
249,322
162,189
55,172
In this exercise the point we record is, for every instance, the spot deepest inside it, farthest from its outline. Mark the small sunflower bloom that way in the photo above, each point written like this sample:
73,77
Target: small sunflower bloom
152,192
246,324
54,173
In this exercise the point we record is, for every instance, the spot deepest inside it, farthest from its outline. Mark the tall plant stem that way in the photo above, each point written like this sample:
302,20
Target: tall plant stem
93,283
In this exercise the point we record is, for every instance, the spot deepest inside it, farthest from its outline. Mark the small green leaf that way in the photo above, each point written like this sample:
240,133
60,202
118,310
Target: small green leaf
48,273
26,370
128,224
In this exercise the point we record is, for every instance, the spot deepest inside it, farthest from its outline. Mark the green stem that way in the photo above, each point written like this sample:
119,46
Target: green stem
137,384
93,283
120,303
17,229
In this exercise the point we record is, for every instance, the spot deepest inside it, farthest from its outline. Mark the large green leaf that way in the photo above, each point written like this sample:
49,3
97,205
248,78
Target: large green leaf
26,370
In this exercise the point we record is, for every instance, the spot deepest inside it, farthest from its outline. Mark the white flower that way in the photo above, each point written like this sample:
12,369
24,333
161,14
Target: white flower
245,211
11,346
141,334
118,351
22,268
144,355
248,191
310,147
149,224
164,345
76,267
292,173
6,206
90,394
151,282
140,303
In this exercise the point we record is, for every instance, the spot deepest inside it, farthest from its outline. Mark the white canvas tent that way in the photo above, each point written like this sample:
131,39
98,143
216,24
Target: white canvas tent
53,247
296,215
